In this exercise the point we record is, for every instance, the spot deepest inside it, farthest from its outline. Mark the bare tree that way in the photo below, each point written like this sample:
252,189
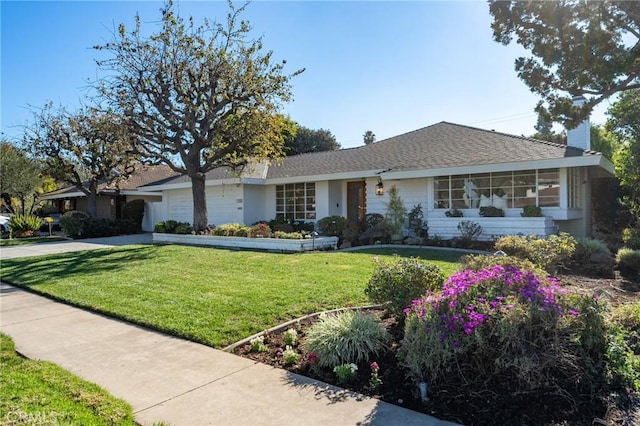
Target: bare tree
197,98
82,149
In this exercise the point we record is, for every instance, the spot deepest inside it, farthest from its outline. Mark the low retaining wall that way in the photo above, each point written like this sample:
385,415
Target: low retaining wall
267,244
492,227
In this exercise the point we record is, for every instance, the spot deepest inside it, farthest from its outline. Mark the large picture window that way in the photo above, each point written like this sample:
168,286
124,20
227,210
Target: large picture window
500,189
296,201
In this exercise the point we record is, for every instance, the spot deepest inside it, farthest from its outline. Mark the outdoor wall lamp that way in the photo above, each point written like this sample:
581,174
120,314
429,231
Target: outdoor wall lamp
379,187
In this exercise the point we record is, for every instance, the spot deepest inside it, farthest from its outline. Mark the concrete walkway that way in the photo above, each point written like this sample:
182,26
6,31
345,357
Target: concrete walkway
174,380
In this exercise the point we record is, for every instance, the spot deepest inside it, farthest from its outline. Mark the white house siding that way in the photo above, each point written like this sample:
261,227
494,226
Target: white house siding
411,191
334,197
153,213
254,204
323,201
224,204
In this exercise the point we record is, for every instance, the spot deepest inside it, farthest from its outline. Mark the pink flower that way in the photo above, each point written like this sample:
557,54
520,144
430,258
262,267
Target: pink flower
374,366
312,358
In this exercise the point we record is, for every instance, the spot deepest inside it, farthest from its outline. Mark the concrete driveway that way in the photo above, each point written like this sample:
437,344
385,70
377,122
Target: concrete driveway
40,249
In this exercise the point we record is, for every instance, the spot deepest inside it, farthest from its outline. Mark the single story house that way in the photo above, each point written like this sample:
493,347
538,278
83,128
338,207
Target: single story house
441,167
112,196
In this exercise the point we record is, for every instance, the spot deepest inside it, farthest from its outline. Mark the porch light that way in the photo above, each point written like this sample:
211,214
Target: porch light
379,187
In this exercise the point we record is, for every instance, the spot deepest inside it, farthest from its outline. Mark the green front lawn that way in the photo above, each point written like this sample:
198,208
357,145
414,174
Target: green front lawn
26,241
39,393
215,297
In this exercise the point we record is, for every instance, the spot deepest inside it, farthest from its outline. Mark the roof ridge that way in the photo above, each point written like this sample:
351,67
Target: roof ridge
526,138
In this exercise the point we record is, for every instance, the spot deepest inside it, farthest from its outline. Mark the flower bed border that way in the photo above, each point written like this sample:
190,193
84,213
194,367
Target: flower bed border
269,244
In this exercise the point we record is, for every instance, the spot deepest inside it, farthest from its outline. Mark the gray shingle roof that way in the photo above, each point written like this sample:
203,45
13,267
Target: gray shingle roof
441,145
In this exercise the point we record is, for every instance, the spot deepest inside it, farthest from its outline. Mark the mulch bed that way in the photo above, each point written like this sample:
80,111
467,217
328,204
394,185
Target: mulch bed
490,407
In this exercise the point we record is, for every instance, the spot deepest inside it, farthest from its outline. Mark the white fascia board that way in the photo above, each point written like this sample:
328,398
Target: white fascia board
214,182
134,192
62,196
317,178
595,160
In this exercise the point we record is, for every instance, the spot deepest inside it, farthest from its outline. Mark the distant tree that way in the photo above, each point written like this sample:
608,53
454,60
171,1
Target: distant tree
307,140
544,131
197,98
81,149
604,141
578,47
369,137
20,178
624,122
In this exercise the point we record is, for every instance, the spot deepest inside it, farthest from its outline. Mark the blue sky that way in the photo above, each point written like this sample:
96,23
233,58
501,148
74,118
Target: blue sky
389,67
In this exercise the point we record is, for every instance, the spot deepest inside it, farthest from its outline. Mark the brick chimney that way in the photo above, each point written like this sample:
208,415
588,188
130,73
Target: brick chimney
580,137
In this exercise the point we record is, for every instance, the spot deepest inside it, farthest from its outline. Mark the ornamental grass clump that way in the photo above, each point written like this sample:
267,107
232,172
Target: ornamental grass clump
395,284
24,225
505,327
346,337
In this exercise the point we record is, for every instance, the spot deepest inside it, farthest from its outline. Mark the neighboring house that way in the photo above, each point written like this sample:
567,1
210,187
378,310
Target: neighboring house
112,197
440,167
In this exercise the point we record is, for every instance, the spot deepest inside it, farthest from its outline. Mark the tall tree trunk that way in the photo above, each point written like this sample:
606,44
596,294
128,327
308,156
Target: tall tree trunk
92,200
200,214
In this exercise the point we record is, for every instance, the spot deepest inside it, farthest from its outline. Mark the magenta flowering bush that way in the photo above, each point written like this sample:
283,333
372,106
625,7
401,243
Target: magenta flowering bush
503,324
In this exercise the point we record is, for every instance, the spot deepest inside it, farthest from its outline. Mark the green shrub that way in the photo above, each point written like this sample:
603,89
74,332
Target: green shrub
98,227
288,235
623,354
491,211
183,228
290,356
257,344
548,253
290,337
332,226
170,226
396,283
24,225
346,337
73,223
134,210
232,230
173,227
478,262
127,226
531,211
593,258
469,232
631,238
628,262
511,329
260,230
379,233
370,220
346,372
417,224
586,247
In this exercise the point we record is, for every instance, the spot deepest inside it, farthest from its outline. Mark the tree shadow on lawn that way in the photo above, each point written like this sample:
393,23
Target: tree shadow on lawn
32,271
426,253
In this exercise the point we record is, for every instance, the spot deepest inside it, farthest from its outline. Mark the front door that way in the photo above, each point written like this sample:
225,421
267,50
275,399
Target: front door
356,201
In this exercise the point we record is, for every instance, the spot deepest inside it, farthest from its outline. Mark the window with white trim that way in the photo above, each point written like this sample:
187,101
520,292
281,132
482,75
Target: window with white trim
296,201
574,185
499,189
